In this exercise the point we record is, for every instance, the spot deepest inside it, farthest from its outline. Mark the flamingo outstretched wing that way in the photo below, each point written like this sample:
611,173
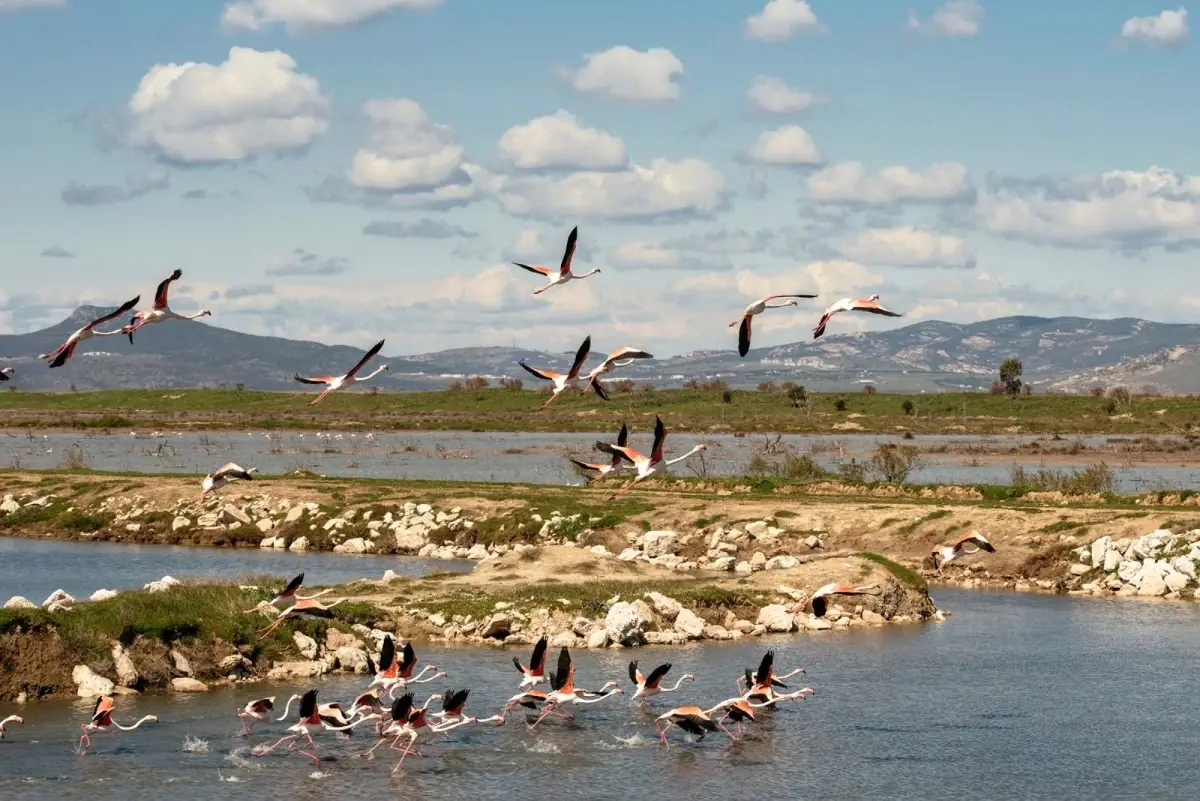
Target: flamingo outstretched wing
160,294
569,253
366,358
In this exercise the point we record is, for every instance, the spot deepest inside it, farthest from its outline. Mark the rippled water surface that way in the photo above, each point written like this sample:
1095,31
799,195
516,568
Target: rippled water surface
36,568
1015,697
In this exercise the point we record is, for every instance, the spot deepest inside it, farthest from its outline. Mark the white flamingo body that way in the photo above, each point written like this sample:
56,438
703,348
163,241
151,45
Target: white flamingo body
226,474
818,602
311,722
10,719
6,373
599,470
965,546
620,357
102,721
161,312
745,321
561,381
647,466
59,356
334,383
869,305
255,711
563,690
650,686
563,274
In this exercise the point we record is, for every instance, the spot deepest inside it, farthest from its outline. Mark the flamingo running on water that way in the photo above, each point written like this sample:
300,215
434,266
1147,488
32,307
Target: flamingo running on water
692,719
559,380
870,304
563,690
964,546
393,673
289,595
646,465
308,609
745,321
649,686
8,720
564,273
818,602
225,474
530,699
451,715
102,721
366,703
255,711
536,672
620,357
6,373
407,721
334,383
161,311
763,682
599,471
66,350
311,722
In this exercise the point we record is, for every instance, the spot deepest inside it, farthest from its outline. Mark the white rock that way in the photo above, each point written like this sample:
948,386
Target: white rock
720,633
665,638
352,659
564,639
265,524
422,509
161,585
1112,560
756,528
775,617
305,644
287,671
743,567
410,540
1078,569
1099,551
1149,581
1175,581
624,624
89,684
478,551
812,541
8,505
814,623
58,597
352,545
664,607
102,595
231,514
659,543
267,542
298,544
872,617
127,675
1181,564
182,665
180,522
597,638
1128,570
186,684
629,554
758,560
686,622
782,562
293,514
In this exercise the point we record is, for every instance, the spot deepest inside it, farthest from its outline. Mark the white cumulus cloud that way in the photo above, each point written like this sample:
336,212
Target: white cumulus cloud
952,18
405,150
910,246
848,182
254,102
559,141
302,16
631,77
789,146
782,19
773,96
1166,29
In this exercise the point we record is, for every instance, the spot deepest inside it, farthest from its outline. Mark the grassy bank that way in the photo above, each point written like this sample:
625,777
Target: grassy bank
773,411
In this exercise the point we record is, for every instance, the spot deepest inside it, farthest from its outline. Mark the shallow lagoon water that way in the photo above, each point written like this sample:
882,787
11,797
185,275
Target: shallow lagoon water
1014,697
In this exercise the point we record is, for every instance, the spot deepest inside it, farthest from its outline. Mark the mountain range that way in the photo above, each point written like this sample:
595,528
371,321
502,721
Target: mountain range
1060,353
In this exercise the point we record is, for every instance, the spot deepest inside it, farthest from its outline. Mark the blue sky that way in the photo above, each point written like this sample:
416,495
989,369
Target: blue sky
963,159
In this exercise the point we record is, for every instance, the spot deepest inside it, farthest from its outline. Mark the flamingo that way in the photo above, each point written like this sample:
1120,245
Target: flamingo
227,473
620,357
740,709
817,603
526,698
965,545
563,690
564,269
102,721
393,674
290,594
8,720
6,373
334,383
66,350
602,470
407,721
307,609
758,307
646,465
256,711
764,681
451,715
692,719
366,703
648,686
536,672
561,381
161,310
871,305
311,722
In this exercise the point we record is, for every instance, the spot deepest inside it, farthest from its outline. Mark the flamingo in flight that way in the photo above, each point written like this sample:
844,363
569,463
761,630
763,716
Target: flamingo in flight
692,719
366,703
451,715
225,474
818,602
102,721
6,373
307,609
561,381
762,683
334,383
311,722
393,673
66,350
529,699
255,711
646,465
649,686
758,307
599,471
964,546
161,311
408,721
564,273
870,305
563,690
290,594
620,357
8,720
536,672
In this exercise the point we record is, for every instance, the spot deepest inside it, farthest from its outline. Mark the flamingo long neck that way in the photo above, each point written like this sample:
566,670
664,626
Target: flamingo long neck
372,374
134,726
314,595
675,687
452,724
678,459
349,726
10,719
593,271
335,603
606,694
287,707
177,316
94,333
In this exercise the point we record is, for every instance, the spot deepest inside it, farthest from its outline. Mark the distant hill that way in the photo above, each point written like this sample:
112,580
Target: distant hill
1068,353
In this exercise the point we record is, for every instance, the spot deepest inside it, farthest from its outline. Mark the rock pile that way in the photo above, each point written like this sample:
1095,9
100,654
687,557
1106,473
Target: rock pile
1159,564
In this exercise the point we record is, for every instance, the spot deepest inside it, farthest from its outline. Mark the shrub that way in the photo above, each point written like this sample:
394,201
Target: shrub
869,389
1095,478
840,404
454,386
766,386
1010,376
909,407
893,463
511,383
476,382
727,396
621,385
1097,392
798,396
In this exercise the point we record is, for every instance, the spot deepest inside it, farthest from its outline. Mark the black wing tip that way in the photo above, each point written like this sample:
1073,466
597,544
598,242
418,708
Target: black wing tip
176,274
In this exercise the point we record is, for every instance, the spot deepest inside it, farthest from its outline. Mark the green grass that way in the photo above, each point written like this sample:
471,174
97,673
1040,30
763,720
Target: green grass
903,574
1061,525
511,410
936,514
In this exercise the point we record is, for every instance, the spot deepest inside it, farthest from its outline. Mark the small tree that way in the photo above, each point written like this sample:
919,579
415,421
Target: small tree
1010,376
476,382
908,406
727,396
869,389
840,404
766,386
798,396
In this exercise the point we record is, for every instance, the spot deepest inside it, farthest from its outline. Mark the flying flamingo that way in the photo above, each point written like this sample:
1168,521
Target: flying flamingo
526,698
871,305
6,373
818,604
407,721
227,473
764,680
334,383
758,307
692,719
161,310
620,357
602,470
8,720
964,546
451,715
308,609
536,672
66,350
563,691
102,721
256,712
741,709
311,722
393,673
646,465
649,686
561,381
290,594
564,269
366,703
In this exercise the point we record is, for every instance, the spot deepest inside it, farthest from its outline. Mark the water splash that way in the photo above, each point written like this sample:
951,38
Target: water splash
237,758
543,747
632,741
194,745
